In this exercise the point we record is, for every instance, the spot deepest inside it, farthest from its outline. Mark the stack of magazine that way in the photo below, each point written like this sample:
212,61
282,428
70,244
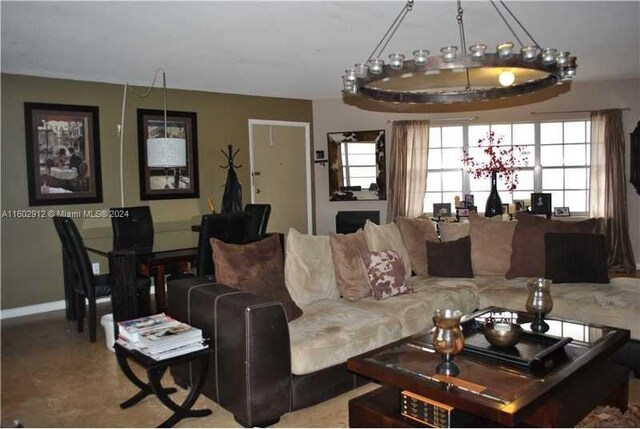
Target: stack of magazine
159,336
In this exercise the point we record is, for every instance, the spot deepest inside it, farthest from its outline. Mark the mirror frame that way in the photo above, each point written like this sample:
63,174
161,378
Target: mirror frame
333,141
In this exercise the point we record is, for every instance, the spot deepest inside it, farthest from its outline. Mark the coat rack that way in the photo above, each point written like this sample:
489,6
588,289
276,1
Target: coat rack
232,198
230,157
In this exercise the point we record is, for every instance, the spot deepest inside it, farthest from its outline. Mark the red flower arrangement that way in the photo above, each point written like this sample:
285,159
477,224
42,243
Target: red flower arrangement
502,161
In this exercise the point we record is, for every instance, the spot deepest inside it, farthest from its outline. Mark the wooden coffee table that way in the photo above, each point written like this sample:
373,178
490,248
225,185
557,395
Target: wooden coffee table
564,387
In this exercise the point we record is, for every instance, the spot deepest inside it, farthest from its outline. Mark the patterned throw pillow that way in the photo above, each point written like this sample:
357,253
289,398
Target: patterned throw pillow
385,272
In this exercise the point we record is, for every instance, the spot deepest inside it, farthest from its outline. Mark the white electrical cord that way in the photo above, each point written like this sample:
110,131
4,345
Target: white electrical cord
121,132
121,125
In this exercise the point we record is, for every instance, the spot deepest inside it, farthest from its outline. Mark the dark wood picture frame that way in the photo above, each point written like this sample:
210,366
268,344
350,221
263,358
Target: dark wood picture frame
375,191
634,159
442,209
171,182
63,154
541,203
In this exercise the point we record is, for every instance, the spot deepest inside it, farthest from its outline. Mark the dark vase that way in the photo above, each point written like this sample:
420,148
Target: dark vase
494,203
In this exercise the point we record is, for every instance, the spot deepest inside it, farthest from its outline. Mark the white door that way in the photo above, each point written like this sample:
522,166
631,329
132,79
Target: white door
281,173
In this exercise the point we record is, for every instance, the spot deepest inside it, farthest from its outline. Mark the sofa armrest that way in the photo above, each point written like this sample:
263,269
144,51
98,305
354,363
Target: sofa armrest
250,371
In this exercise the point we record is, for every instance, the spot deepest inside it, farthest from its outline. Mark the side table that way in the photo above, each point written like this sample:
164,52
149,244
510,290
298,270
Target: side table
155,370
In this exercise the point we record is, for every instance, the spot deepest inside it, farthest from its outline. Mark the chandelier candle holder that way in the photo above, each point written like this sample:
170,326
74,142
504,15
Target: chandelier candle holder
434,78
499,160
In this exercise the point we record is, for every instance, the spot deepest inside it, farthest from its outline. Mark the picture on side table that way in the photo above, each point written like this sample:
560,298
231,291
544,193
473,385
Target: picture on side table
168,162
442,209
561,212
63,154
519,205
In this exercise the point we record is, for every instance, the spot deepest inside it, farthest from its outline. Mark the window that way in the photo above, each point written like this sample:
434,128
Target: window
358,164
557,156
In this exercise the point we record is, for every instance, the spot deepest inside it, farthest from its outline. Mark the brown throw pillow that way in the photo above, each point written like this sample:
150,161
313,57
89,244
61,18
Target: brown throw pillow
574,257
490,245
450,258
386,273
528,257
415,233
346,252
256,267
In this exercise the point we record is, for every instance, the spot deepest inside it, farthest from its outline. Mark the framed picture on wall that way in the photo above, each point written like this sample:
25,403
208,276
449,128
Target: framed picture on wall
168,162
63,154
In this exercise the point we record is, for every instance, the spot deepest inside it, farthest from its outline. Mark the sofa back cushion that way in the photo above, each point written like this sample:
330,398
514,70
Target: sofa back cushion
256,267
490,245
415,234
575,258
386,275
450,231
387,237
308,268
346,252
528,257
450,258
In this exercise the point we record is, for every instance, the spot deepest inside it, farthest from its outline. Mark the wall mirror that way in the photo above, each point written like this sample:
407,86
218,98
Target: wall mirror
357,166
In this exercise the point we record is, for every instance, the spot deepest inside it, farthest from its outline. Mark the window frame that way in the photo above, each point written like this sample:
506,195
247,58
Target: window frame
537,167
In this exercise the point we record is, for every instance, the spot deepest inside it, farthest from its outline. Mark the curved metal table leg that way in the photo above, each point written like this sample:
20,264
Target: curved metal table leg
145,389
183,410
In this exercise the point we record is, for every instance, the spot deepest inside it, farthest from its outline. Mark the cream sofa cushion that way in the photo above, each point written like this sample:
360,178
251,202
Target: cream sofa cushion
415,234
387,237
308,270
451,231
331,331
415,311
615,304
490,245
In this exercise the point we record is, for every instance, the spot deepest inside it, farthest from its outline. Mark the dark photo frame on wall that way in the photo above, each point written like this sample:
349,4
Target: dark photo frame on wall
63,154
168,167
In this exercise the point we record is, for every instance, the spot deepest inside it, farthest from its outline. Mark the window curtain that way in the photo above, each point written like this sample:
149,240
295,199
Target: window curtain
608,187
408,169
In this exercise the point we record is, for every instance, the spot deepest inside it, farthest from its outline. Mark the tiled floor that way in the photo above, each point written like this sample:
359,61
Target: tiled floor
54,377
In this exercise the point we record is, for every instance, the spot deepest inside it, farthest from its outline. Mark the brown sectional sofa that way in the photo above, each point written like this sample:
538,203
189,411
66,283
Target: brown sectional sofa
263,366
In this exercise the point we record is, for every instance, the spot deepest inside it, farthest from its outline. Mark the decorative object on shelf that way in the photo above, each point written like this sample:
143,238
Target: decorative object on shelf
447,339
634,159
442,210
502,333
539,302
561,212
232,197
541,204
366,149
500,160
455,76
63,154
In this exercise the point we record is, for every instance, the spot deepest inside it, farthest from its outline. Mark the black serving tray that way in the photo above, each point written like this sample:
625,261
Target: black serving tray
534,352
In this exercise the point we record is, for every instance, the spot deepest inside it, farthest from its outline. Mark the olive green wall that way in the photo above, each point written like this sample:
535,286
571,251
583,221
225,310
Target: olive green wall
31,254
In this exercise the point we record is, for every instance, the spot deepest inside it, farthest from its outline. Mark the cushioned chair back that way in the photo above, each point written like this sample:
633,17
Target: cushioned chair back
134,231
227,227
258,218
79,259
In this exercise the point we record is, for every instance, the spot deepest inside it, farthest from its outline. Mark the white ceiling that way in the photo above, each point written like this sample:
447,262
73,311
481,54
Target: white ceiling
288,49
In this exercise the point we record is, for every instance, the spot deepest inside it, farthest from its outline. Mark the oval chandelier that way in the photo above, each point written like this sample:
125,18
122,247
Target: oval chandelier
454,76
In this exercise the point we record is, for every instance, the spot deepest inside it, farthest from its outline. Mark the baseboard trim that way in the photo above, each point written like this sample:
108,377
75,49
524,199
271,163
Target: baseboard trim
30,310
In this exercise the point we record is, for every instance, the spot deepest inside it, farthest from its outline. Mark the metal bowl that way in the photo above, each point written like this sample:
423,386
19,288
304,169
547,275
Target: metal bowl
501,337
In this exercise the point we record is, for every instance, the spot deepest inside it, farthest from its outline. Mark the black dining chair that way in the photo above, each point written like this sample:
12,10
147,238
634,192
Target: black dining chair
85,285
258,218
67,271
227,227
132,228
